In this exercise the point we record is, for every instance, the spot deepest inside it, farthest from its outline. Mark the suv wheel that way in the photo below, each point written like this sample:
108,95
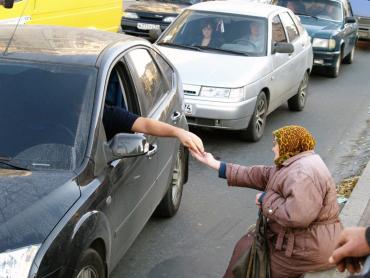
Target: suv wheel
350,56
90,265
298,101
257,123
172,199
334,71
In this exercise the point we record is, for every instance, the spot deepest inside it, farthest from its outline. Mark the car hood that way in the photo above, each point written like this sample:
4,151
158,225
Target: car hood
31,204
317,27
217,70
156,7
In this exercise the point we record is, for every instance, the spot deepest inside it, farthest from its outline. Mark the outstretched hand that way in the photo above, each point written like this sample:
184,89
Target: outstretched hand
192,141
207,159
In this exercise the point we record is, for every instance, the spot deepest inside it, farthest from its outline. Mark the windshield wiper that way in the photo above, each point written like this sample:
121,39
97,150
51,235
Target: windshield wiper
180,46
7,161
309,15
223,50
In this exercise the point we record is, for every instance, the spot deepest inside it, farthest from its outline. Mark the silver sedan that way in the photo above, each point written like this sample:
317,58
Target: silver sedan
238,62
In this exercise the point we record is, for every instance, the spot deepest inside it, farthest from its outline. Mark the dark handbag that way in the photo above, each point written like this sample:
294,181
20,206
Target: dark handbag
255,261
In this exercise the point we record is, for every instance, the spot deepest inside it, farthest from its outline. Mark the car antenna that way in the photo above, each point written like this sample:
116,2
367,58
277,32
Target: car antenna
16,27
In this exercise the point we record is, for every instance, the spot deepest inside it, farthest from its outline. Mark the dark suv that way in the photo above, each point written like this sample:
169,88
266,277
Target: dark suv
333,30
144,15
73,202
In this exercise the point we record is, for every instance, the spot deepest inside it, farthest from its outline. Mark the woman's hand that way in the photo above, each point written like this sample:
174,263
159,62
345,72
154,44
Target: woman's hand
258,204
207,159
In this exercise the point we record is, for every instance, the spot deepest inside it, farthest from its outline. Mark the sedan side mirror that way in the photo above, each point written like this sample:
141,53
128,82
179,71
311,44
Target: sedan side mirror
126,145
154,34
351,19
282,47
8,4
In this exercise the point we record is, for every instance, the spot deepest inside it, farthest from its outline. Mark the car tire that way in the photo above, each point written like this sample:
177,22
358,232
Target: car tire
298,101
90,264
350,56
334,71
257,123
171,201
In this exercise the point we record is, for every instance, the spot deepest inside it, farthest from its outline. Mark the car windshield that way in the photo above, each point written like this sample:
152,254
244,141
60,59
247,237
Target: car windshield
218,32
45,114
323,9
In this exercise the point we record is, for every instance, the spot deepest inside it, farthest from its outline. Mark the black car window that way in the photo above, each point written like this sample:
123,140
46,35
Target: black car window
167,70
290,26
148,79
278,33
45,113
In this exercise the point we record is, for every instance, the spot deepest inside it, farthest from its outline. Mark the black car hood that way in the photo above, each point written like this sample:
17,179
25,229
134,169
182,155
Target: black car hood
31,204
156,7
320,26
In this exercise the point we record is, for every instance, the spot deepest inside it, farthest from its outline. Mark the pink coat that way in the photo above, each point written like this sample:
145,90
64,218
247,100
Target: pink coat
301,206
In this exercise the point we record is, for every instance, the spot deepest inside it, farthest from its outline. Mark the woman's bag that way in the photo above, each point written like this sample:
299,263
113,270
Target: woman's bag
255,261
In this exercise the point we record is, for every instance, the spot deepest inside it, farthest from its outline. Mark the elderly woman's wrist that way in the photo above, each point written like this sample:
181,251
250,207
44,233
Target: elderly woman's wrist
222,169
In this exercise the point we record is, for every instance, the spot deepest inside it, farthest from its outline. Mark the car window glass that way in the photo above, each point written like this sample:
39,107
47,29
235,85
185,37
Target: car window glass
166,68
278,33
56,103
290,26
148,77
218,32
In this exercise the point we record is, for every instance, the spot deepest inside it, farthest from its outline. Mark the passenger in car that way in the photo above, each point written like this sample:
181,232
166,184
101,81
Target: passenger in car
298,199
119,120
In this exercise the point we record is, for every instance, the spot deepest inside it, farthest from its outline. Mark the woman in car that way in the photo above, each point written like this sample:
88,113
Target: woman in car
299,201
209,36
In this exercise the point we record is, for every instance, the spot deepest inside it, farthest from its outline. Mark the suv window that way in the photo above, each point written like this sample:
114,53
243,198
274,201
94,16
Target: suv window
289,26
278,33
166,68
147,78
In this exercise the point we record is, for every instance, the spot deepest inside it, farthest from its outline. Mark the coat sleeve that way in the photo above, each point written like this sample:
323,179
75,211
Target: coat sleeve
296,204
255,177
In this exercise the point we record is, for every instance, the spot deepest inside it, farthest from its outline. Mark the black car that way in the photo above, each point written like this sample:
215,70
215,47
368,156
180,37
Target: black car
71,201
145,15
332,27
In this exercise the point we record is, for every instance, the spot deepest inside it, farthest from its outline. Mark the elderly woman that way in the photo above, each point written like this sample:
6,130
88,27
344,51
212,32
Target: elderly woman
299,200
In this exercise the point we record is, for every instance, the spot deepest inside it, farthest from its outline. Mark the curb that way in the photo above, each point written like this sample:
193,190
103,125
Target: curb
356,212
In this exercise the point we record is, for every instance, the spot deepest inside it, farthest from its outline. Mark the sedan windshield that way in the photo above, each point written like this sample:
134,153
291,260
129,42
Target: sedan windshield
323,9
45,114
218,32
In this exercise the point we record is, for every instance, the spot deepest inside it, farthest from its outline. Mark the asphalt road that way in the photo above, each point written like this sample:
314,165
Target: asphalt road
199,240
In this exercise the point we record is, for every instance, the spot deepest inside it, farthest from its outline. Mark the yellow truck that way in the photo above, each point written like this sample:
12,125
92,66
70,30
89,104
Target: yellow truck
96,14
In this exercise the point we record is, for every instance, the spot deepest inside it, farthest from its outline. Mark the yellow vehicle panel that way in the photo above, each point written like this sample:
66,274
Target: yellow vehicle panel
97,14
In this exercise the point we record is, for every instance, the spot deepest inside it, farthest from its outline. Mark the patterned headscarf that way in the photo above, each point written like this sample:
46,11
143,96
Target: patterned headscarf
292,140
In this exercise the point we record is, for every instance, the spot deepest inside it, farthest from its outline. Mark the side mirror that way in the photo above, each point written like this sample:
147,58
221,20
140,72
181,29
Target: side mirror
350,19
282,47
154,34
126,145
8,4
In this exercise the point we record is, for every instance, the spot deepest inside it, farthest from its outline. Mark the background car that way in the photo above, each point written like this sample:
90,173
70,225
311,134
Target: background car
240,77
72,202
361,9
333,29
144,15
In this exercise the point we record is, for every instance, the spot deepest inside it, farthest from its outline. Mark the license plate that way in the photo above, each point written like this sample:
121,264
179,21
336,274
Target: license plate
147,26
188,109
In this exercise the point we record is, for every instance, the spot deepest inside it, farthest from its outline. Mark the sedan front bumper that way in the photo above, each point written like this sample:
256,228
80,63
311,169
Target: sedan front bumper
325,58
221,115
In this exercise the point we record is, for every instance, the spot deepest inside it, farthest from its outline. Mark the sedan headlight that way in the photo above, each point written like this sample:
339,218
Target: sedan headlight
131,15
226,94
323,43
169,19
17,263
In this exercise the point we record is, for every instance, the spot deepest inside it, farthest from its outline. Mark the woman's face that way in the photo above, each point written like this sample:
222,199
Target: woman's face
207,31
275,149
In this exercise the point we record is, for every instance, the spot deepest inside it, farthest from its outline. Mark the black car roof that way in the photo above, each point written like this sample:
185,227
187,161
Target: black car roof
57,44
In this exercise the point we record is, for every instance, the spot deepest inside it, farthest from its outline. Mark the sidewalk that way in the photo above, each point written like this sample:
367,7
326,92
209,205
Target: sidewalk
356,212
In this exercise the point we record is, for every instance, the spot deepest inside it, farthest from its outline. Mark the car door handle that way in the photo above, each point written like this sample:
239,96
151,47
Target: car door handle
152,150
175,116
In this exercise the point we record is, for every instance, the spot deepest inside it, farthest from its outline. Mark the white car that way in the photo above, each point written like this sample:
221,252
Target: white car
257,57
